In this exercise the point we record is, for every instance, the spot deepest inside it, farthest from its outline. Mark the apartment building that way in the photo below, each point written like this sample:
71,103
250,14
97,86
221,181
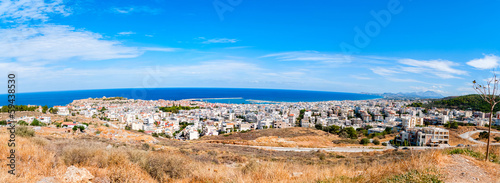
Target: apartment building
424,136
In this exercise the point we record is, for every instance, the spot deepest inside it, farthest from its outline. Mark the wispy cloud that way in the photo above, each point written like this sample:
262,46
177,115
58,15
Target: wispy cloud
219,40
308,56
20,11
162,49
238,47
58,42
136,9
383,71
360,77
487,62
126,33
440,68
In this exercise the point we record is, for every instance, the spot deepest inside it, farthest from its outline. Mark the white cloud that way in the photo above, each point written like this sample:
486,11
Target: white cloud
308,56
20,11
488,62
383,71
160,49
126,33
58,42
441,68
360,77
219,40
136,9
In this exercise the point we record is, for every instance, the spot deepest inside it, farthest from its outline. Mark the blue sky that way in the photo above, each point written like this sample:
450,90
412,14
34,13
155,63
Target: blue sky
344,46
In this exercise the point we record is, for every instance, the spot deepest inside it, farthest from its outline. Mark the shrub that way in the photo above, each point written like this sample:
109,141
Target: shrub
22,123
364,141
384,144
142,131
37,123
24,131
39,141
483,135
145,146
250,167
415,176
497,139
376,142
162,166
467,152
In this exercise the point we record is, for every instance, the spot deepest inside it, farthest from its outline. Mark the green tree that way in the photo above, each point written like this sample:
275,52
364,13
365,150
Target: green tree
364,141
35,122
3,122
376,142
318,126
44,109
81,128
75,128
352,133
22,123
497,139
483,135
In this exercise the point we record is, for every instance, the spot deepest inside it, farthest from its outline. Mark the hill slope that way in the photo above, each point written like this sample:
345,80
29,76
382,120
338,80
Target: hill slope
466,102
286,137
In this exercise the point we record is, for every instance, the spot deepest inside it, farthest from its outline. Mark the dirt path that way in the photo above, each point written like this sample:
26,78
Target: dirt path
461,169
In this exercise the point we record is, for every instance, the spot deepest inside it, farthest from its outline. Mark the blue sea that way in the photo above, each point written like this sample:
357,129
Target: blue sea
215,95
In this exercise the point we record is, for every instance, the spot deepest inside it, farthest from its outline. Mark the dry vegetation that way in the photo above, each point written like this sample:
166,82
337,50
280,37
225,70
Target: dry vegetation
455,139
288,137
113,161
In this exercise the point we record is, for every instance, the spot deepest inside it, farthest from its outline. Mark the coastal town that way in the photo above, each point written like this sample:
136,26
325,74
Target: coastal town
191,119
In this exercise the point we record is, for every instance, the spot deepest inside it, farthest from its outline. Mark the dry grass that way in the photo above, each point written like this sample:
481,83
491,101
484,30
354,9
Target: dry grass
286,137
49,157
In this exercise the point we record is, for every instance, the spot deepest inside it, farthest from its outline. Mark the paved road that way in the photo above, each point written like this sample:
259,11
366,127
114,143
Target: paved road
339,149
467,135
330,149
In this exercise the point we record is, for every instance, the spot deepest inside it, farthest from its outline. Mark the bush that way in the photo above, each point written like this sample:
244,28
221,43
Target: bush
467,152
22,123
145,146
24,131
415,176
497,139
483,135
39,141
364,141
250,167
376,142
162,166
384,144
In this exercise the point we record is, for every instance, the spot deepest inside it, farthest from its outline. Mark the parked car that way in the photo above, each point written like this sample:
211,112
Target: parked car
405,148
460,145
